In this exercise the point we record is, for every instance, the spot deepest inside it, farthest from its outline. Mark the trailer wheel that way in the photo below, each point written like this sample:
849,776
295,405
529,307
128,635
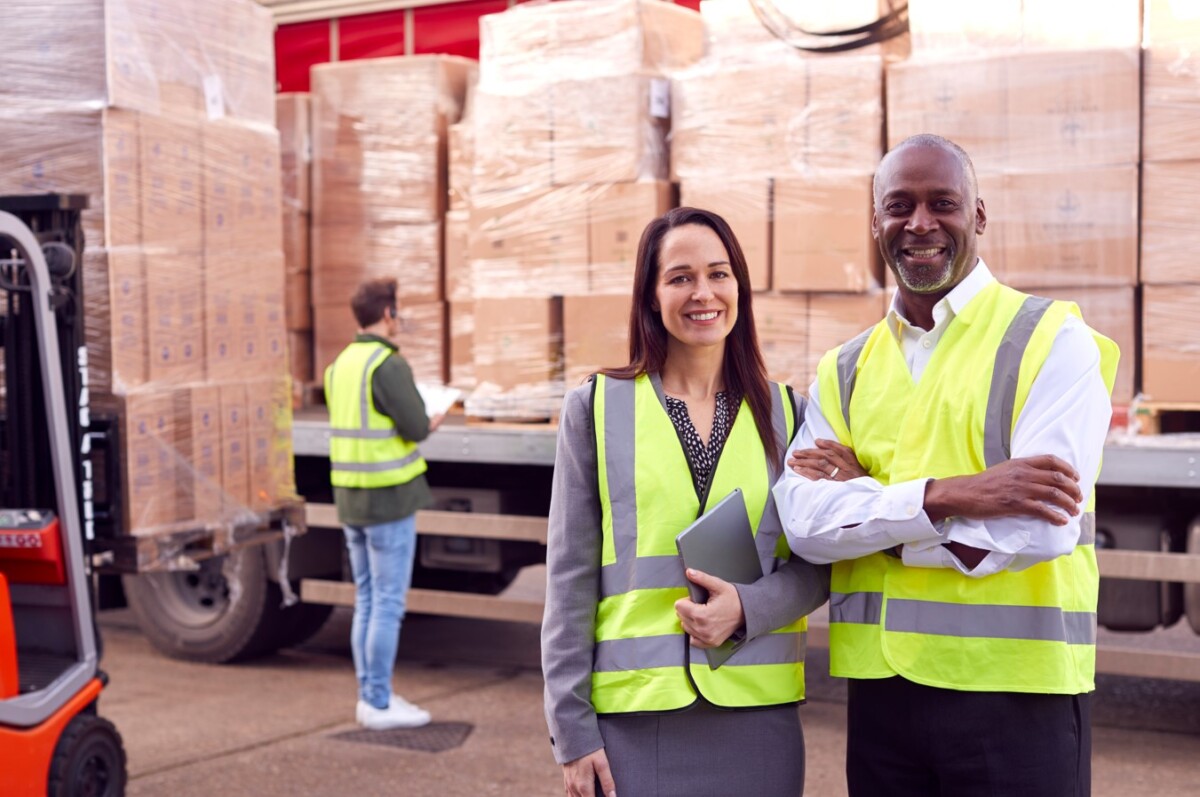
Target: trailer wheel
88,759
1191,592
225,611
297,624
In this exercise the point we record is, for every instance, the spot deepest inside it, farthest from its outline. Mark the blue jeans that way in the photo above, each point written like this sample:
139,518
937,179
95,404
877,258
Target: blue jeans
381,558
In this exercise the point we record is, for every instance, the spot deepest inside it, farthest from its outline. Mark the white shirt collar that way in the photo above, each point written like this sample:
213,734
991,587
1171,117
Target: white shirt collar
950,305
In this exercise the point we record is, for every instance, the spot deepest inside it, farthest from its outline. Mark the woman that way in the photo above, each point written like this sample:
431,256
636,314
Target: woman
642,450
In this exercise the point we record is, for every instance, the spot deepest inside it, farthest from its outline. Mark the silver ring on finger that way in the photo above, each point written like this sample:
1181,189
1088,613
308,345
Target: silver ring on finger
834,473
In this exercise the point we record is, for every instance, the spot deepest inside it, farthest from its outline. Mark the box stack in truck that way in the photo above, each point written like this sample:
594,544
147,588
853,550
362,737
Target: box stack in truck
1049,114
380,129
1170,191
784,146
292,113
166,122
570,124
460,306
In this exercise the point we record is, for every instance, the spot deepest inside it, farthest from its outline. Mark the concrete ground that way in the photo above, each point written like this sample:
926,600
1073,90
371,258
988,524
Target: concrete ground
271,727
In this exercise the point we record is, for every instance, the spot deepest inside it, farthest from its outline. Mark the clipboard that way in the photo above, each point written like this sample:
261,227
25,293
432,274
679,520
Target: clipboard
721,543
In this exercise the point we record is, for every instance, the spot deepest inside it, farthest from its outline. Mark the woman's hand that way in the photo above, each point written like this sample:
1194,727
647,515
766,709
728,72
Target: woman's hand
579,776
829,460
710,624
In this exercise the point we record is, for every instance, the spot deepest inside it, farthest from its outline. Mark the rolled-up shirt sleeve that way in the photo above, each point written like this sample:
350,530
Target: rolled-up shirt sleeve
829,521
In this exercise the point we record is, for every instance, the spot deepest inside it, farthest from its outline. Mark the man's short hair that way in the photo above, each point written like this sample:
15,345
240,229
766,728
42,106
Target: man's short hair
373,299
932,140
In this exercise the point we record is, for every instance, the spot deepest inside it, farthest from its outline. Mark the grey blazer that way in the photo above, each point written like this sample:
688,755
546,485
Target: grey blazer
573,584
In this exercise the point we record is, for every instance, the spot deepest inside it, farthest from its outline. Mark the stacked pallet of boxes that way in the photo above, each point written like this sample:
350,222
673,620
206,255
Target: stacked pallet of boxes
570,124
292,114
166,122
379,131
784,146
1170,191
460,307
1049,113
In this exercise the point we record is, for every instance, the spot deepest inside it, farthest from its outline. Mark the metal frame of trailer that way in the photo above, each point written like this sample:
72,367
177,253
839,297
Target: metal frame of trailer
1152,462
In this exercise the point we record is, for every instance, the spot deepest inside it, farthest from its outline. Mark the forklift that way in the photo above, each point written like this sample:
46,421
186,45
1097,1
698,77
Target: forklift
52,739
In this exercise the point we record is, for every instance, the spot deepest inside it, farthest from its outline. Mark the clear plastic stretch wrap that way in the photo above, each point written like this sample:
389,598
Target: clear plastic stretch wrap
163,114
380,130
569,124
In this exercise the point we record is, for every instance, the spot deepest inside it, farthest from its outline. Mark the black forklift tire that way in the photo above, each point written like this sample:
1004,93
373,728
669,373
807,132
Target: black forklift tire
227,611
1191,592
89,759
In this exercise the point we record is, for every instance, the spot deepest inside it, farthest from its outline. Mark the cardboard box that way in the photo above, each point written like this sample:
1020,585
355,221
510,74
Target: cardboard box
595,335
518,341
821,236
1171,106
221,336
529,243
457,267
344,256
297,249
198,421
175,323
171,183
512,140
461,141
1111,312
782,324
150,461
840,128
745,206
834,318
462,341
235,444
1170,328
610,130
293,113
1070,228
617,215
126,295
243,206
1170,236
300,358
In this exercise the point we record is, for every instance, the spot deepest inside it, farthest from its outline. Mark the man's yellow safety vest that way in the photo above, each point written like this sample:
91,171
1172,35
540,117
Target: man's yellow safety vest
643,661
1027,631
364,448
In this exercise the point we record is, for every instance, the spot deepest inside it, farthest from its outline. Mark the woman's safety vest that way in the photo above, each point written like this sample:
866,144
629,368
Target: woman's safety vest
364,448
643,661
1027,631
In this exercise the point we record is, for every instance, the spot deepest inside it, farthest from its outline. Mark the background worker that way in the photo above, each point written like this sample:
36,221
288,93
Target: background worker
376,419
944,466
642,450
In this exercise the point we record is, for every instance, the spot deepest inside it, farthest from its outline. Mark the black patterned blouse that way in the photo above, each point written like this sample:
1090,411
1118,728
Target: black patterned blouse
701,459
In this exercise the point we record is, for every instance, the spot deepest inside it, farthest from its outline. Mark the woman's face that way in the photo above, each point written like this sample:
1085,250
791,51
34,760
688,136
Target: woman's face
696,292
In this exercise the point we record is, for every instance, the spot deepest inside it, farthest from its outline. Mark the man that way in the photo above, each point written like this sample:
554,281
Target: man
942,467
376,418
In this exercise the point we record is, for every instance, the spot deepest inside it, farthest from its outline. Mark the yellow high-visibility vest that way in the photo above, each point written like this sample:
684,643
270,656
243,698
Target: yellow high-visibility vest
643,661
365,449
1027,631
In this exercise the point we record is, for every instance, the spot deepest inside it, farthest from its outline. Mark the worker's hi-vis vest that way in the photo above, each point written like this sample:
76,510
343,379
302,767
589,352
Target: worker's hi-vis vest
1027,631
364,448
643,661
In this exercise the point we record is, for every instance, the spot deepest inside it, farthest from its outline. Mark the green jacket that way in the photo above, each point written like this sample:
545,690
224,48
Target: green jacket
395,395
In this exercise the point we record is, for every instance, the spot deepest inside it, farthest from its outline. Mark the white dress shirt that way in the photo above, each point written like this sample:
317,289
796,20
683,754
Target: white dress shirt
1066,414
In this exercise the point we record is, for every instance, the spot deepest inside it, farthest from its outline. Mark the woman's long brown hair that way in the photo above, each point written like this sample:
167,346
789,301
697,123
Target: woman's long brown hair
744,371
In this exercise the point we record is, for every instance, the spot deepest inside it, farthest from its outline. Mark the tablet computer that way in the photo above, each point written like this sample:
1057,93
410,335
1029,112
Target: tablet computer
721,543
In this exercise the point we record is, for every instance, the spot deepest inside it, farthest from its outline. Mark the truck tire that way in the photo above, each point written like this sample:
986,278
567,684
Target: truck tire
296,624
225,611
88,759
1191,592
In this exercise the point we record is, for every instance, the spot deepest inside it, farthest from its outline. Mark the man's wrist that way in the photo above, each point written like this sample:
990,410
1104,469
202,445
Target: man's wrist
938,503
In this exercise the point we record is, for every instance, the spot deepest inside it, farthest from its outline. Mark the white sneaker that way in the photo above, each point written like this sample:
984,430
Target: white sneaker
399,714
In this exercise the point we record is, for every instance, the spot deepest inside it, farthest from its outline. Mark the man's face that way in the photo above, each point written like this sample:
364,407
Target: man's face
926,219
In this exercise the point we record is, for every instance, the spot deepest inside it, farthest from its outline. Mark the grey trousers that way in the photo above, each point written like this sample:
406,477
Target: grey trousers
706,752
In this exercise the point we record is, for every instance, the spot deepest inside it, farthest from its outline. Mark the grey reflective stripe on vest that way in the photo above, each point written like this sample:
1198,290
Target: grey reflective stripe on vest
364,434
1002,396
1087,529
376,467
621,576
847,366
668,650
856,607
1041,623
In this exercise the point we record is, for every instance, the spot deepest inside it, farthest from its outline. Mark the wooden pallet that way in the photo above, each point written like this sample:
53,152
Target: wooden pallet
1158,417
